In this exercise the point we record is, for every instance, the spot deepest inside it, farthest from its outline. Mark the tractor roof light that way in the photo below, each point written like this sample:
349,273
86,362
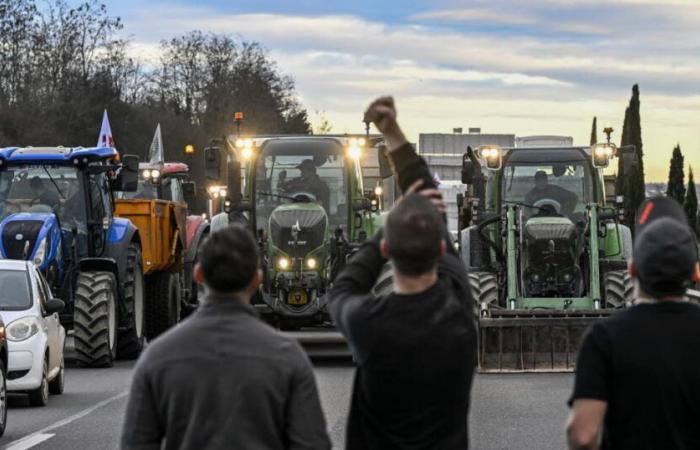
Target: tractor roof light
602,153
493,155
283,263
189,149
354,152
378,191
311,263
155,174
146,174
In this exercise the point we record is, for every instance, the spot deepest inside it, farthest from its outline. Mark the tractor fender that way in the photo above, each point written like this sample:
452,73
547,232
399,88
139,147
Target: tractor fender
197,228
120,235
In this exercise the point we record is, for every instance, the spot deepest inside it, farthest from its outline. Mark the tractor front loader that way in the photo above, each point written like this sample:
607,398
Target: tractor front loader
547,255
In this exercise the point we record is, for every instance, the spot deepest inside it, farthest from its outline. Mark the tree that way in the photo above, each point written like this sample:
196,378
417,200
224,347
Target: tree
323,125
632,185
691,203
594,131
676,177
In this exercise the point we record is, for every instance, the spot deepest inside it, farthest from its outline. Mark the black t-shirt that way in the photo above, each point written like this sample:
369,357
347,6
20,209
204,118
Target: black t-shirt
645,363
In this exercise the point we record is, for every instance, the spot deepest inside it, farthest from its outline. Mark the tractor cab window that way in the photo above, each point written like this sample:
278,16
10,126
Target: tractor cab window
301,172
43,189
172,190
546,182
100,208
146,189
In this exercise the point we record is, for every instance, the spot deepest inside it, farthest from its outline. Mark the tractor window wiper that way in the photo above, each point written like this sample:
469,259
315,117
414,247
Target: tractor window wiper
54,182
524,204
270,194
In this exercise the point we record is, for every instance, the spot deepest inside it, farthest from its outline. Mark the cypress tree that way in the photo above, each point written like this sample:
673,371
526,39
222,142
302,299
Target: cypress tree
691,203
676,177
632,185
594,131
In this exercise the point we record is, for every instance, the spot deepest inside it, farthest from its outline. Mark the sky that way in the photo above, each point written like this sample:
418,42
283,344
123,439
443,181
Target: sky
526,67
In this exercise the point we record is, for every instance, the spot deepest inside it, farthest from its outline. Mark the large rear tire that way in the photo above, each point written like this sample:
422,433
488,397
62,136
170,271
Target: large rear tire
95,319
163,305
132,338
619,289
484,287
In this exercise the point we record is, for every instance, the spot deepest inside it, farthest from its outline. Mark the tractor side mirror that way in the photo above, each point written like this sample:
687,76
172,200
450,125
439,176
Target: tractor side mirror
212,163
630,160
361,204
128,178
233,183
53,306
189,190
467,170
384,164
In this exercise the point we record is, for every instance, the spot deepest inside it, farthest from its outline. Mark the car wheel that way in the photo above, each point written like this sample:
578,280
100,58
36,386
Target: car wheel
56,385
40,395
3,398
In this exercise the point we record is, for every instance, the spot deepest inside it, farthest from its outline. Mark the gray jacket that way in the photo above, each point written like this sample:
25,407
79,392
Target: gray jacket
224,379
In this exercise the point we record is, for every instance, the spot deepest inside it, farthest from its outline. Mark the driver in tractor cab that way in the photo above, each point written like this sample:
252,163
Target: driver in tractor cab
42,195
309,181
544,190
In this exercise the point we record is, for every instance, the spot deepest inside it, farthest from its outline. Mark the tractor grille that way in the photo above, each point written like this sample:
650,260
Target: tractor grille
15,236
561,230
313,226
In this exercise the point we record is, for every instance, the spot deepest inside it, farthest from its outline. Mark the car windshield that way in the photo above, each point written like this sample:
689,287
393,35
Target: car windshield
563,187
301,171
14,290
42,188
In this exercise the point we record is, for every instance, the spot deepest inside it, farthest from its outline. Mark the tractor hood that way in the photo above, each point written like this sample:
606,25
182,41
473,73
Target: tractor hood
30,236
298,228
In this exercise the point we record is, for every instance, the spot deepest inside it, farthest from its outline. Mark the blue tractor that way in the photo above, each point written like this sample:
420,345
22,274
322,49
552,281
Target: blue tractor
56,209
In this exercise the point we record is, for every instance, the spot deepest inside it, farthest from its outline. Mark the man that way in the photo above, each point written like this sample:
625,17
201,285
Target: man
223,379
309,181
42,195
638,372
544,190
415,349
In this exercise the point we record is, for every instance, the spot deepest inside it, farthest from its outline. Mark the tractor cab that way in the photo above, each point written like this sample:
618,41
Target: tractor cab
166,181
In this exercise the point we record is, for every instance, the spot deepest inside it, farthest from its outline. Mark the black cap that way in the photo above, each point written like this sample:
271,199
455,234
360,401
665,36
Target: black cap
665,249
307,164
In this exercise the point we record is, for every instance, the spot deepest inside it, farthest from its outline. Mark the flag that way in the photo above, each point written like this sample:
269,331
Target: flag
155,154
105,139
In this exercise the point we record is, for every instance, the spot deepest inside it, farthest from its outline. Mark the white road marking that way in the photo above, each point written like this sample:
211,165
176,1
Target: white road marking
33,439
29,442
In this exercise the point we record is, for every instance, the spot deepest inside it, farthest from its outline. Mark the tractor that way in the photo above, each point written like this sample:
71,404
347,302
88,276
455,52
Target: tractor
547,254
304,199
160,206
56,209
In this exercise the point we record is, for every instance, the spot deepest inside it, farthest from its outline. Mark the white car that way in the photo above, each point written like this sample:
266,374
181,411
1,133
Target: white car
35,337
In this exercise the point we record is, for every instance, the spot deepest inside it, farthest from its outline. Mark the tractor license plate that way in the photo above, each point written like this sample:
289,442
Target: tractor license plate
297,297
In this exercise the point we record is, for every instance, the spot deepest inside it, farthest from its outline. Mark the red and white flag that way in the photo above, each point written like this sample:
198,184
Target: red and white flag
105,139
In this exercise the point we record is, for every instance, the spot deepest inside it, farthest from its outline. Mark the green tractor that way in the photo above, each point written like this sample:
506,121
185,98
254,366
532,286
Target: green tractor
303,197
546,253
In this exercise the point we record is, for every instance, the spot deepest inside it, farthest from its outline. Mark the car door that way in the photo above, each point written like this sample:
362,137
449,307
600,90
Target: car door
51,323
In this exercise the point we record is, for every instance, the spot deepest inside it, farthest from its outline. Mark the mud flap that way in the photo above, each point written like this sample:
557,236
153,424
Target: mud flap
533,340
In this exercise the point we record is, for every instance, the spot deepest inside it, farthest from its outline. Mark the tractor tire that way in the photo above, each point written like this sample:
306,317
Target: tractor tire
132,338
484,287
385,282
95,319
163,305
473,250
618,289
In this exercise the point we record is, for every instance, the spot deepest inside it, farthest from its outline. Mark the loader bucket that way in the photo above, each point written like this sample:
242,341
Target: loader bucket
533,340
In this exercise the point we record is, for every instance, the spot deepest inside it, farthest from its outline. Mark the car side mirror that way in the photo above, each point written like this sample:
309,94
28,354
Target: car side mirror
189,189
128,178
212,163
54,305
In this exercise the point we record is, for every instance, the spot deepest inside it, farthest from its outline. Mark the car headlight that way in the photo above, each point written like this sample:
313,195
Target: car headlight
311,263
283,263
22,329
40,253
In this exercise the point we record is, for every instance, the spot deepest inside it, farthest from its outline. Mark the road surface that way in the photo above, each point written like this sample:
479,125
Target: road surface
509,411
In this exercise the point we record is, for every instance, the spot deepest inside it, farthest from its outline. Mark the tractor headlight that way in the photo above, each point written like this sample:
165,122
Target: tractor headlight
22,329
493,156
283,263
146,173
601,154
155,174
311,263
40,253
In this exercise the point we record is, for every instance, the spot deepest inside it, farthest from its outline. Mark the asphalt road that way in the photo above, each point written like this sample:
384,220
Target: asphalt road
509,411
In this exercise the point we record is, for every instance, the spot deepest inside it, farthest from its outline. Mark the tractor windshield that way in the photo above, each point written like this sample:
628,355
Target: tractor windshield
562,185
302,172
145,190
43,189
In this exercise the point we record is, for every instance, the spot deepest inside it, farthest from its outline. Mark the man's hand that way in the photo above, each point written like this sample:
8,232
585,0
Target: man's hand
434,195
382,113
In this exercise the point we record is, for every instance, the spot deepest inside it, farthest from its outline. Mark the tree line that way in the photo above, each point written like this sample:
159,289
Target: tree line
63,65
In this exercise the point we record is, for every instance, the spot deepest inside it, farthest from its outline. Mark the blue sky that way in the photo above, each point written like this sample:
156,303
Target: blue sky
526,67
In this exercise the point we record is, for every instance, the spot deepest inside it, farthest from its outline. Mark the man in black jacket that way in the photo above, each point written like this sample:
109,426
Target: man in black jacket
223,379
416,348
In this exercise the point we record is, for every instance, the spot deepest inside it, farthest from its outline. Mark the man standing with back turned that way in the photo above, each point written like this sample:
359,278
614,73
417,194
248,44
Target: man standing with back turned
638,372
415,348
223,379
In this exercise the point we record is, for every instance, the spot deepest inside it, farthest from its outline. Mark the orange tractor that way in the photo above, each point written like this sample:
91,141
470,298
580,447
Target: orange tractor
170,240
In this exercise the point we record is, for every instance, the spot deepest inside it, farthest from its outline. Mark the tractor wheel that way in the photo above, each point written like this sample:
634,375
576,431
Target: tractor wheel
385,282
131,338
474,251
95,319
619,290
163,306
484,287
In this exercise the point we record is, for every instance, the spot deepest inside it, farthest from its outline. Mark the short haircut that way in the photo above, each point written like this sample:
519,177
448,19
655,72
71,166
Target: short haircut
229,259
414,231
